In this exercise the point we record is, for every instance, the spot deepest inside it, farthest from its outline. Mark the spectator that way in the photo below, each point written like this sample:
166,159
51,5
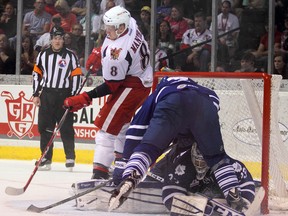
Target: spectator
199,57
79,9
96,18
68,42
68,19
227,22
280,11
164,10
263,45
110,4
248,64
178,24
261,53
101,31
159,54
103,4
280,66
28,56
256,4
236,7
7,56
165,40
144,24
220,67
160,63
8,21
134,6
284,39
78,41
50,7
37,22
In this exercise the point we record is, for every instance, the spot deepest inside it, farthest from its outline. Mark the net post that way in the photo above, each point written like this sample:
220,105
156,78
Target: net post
266,141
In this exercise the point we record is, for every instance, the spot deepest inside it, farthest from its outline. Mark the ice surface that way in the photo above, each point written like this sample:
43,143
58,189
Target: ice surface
47,187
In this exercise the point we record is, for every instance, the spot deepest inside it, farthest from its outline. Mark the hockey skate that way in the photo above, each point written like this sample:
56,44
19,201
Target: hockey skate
99,174
100,171
70,163
45,165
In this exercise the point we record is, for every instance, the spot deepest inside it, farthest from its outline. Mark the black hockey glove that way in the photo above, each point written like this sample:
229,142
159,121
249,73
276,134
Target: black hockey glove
235,200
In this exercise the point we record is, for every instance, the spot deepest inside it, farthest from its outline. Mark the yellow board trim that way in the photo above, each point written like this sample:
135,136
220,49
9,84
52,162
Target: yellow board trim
30,153
82,156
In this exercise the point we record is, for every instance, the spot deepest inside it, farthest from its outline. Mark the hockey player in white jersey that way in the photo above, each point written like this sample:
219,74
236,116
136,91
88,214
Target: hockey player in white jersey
128,77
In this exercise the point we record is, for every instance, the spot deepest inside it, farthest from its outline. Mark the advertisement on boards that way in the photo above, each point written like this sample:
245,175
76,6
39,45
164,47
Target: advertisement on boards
20,116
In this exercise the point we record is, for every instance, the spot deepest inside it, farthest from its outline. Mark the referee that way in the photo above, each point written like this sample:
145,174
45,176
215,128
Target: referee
56,76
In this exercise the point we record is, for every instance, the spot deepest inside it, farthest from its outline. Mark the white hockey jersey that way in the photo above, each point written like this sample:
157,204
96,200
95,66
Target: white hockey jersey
127,55
158,55
191,37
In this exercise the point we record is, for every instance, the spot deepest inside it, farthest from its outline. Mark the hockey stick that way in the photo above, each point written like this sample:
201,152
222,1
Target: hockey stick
19,191
224,209
36,209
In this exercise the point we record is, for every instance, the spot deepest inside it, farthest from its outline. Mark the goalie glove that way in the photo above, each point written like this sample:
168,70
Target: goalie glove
77,102
235,200
121,193
94,60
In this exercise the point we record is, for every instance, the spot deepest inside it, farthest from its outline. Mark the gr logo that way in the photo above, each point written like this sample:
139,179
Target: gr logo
21,113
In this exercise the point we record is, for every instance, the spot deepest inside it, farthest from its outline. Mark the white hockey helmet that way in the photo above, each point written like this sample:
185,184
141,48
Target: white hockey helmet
198,162
117,16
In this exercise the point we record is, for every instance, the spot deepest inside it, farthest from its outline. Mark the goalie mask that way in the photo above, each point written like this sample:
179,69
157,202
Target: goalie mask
198,162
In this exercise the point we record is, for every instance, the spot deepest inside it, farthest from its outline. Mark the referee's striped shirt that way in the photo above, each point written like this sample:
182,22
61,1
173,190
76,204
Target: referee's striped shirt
56,70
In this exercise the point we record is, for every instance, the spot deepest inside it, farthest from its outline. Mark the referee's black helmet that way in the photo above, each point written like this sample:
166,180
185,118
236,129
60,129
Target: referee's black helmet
57,31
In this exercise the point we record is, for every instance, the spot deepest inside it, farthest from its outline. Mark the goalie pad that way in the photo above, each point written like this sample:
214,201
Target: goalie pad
145,199
188,205
91,200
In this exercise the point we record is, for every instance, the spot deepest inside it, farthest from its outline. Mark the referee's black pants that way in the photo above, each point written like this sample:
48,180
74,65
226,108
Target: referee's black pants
50,113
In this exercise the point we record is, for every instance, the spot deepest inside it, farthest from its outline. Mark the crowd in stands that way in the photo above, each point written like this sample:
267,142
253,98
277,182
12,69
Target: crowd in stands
180,26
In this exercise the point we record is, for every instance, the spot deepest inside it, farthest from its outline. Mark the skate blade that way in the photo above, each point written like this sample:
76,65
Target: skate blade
45,168
69,169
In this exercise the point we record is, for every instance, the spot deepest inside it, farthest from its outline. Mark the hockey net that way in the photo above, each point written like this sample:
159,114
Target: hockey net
250,127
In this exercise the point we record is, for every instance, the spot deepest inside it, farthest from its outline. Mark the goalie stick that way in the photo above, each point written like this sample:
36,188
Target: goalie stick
19,191
224,209
36,209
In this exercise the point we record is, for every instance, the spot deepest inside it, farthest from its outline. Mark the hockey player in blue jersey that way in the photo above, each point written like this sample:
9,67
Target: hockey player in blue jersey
187,172
177,106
